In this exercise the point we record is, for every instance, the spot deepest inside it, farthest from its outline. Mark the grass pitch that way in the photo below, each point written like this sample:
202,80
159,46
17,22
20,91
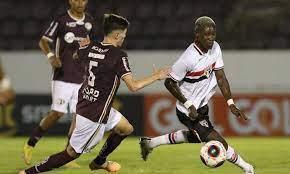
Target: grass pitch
269,155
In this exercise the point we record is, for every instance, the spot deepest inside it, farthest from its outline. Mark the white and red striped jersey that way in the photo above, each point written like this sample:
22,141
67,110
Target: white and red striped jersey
194,72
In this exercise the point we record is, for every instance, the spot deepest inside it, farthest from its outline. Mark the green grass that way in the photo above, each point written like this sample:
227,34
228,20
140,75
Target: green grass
269,155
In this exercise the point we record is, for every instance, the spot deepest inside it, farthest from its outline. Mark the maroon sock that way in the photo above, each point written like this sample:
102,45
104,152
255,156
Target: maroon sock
111,144
35,136
52,162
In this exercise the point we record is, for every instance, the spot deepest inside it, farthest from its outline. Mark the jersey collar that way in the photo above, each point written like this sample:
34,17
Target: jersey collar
197,49
74,18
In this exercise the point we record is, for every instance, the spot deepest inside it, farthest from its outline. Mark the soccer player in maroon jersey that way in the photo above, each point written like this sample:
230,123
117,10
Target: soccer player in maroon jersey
68,70
107,65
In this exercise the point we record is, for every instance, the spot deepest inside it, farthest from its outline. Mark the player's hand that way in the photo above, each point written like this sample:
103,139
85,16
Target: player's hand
55,62
192,113
237,112
162,73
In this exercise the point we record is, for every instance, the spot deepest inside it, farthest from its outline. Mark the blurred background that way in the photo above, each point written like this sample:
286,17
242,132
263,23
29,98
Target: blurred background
254,36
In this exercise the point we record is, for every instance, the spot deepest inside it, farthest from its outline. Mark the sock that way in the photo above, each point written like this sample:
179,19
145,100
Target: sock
52,162
172,138
236,159
35,136
113,141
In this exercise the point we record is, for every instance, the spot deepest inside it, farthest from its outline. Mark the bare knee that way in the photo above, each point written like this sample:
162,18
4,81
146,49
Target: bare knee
124,129
127,129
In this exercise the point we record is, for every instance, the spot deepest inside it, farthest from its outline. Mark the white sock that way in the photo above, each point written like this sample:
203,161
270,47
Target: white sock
172,138
236,159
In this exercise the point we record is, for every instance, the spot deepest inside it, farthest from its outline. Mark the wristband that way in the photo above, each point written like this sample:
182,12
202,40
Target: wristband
187,104
49,55
230,102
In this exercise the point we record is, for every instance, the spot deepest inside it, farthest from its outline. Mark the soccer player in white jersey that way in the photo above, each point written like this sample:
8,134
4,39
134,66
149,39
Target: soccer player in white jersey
193,80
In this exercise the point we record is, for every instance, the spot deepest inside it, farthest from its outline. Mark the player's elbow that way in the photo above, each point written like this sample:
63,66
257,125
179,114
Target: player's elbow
133,88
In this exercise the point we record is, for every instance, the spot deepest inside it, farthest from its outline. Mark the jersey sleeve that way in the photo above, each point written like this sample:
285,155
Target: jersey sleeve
219,63
179,69
51,32
123,67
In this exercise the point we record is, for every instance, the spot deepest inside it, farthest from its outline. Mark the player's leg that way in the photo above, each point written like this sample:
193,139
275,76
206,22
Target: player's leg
72,108
232,155
48,120
84,137
180,136
121,128
54,161
61,95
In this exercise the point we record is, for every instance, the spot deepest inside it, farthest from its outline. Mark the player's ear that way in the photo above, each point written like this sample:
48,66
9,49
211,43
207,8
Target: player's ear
116,35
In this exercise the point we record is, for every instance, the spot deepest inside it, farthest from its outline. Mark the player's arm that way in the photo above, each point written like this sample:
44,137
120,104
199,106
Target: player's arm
48,37
135,85
45,48
226,92
7,95
174,89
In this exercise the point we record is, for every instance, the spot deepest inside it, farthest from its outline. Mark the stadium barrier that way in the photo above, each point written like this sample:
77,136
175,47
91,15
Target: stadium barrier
154,114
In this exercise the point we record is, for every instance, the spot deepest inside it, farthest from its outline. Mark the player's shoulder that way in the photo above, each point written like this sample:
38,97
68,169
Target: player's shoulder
118,51
190,53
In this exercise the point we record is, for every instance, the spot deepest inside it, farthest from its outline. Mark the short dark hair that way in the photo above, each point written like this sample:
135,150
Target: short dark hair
114,22
202,22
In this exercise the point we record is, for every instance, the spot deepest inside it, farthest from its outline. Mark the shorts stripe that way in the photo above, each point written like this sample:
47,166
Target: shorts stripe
109,100
91,138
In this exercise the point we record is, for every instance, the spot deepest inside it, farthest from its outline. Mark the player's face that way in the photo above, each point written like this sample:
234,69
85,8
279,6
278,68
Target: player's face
121,35
78,6
207,37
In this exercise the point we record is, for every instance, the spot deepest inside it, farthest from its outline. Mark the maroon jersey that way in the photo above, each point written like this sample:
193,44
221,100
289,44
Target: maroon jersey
106,65
64,32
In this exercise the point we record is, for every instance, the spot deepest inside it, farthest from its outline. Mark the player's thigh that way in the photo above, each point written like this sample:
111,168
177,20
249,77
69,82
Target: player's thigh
86,135
118,123
200,128
74,97
61,96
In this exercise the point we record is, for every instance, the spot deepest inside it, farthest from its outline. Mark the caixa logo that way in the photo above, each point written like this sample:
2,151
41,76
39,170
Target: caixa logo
267,117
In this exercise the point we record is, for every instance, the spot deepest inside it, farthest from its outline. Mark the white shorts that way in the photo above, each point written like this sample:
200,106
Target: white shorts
64,95
87,134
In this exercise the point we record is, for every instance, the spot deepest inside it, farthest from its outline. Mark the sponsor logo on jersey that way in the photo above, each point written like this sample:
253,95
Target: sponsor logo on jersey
96,55
100,50
90,94
88,26
74,24
70,38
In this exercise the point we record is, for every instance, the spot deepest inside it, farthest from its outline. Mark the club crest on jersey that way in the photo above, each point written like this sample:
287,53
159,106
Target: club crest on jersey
207,72
88,26
203,123
69,37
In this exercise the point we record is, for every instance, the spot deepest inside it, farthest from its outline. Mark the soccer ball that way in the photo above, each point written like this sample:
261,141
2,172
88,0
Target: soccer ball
213,154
